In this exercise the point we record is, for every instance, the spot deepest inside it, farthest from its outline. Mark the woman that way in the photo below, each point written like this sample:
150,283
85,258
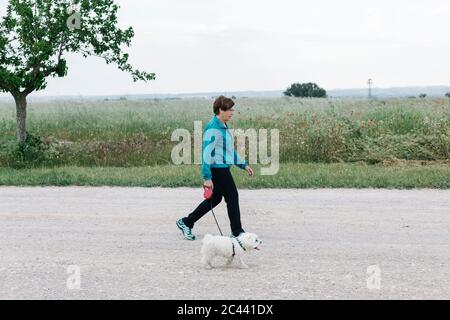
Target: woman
218,156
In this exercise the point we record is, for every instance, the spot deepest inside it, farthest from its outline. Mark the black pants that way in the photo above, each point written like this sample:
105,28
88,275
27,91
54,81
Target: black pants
223,186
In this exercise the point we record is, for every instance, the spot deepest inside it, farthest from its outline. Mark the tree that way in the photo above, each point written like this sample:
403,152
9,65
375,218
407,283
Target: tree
37,35
423,95
305,90
447,94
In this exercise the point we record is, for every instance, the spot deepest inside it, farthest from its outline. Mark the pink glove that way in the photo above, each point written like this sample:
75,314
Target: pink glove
207,194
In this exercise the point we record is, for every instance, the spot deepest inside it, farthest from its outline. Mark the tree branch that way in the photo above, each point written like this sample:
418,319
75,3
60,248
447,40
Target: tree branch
61,50
37,69
27,91
7,87
93,54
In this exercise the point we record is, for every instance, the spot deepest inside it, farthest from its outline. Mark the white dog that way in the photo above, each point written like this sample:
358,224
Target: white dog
228,247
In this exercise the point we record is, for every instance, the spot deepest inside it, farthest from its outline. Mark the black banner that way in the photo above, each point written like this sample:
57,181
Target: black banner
220,309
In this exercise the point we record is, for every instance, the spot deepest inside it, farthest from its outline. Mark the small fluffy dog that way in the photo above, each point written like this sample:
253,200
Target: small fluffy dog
228,247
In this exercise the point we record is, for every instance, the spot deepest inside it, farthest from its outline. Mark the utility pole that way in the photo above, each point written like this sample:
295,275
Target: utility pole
369,83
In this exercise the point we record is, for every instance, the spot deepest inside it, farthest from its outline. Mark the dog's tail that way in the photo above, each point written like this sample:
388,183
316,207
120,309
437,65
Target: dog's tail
207,238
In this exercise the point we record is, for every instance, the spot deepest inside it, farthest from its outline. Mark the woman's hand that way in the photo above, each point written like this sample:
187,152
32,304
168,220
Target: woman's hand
249,170
208,184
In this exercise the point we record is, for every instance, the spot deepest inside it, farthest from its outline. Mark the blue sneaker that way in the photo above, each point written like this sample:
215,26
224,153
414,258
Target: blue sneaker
187,232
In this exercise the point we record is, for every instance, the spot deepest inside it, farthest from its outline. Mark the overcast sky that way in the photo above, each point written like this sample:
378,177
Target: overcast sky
235,45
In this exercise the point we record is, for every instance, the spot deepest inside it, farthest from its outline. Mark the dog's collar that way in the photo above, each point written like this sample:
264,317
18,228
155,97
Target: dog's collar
240,243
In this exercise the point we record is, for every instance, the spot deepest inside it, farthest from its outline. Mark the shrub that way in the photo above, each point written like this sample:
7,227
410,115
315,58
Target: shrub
29,153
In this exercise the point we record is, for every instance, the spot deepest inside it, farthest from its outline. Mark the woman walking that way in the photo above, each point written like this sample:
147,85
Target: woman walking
218,156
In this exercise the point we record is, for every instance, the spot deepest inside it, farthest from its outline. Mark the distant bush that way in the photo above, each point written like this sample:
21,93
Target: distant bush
307,90
447,94
422,95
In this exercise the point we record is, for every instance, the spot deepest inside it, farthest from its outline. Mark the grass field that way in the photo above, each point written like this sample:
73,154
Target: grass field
124,142
291,175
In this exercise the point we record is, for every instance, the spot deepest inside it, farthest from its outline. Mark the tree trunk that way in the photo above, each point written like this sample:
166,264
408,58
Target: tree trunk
21,117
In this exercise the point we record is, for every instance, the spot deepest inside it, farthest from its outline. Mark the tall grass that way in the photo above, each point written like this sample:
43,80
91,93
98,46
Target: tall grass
137,133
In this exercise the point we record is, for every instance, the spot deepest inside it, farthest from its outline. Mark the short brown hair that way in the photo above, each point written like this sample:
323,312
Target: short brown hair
222,103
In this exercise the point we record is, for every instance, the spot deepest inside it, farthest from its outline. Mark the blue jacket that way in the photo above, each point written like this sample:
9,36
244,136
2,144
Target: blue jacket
218,148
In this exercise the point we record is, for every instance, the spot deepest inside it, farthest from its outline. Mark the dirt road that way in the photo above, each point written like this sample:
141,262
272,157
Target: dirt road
325,244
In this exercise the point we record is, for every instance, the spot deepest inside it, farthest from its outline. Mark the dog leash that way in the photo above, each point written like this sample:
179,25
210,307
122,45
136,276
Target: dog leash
208,195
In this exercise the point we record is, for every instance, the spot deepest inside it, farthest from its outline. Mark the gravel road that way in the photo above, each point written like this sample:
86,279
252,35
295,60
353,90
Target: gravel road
317,244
